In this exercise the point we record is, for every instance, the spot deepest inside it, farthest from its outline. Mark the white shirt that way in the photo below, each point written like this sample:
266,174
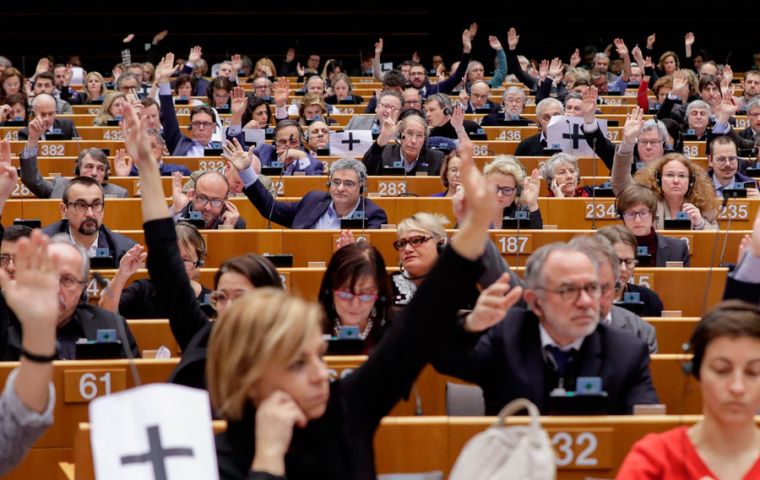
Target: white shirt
93,250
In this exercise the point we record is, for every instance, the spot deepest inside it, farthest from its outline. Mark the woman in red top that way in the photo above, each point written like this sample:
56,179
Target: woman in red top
725,444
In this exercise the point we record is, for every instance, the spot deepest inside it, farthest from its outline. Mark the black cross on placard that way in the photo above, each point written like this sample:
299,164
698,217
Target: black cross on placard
351,141
575,136
156,454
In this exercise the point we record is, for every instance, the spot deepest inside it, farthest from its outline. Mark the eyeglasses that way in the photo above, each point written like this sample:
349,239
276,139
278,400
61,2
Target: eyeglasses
284,142
727,160
67,281
642,214
392,108
349,296
572,293
505,191
214,202
414,241
417,136
192,263
412,102
754,114
649,143
6,258
202,124
81,207
219,297
337,182
629,262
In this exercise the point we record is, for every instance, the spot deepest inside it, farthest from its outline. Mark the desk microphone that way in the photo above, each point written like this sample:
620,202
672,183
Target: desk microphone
277,189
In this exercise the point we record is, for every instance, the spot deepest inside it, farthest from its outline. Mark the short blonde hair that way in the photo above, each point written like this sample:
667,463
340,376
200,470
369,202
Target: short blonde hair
506,165
265,327
433,223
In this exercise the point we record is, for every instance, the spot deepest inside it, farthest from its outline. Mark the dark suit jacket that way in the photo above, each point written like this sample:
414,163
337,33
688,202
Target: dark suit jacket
738,290
531,147
309,165
116,243
306,212
89,317
671,250
201,84
176,142
66,126
507,362
377,157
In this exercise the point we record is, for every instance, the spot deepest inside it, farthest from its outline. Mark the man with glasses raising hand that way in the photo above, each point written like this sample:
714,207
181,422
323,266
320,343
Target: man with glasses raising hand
513,352
82,208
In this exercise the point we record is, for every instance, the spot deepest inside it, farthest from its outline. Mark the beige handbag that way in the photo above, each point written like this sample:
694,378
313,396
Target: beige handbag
518,452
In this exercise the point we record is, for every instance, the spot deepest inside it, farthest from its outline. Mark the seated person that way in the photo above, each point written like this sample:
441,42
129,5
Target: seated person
288,148
753,114
477,100
311,107
75,317
125,167
698,114
139,299
563,177
257,114
202,118
15,109
388,106
82,207
725,442
184,86
317,209
356,292
535,145
343,91
513,103
44,83
450,175
530,353
439,112
515,192
43,107
318,137
111,110
609,276
28,399
91,162
647,144
210,196
637,205
411,135
624,243
724,168
219,93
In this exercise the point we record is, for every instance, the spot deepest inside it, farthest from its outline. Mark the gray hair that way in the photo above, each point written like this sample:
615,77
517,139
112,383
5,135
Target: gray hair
534,268
157,135
698,104
40,97
573,95
547,169
390,93
601,56
347,163
126,76
600,248
547,103
754,102
516,90
5,62
66,240
654,124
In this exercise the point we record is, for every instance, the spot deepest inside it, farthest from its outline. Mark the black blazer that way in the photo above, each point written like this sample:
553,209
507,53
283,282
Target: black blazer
66,126
508,363
531,147
652,302
377,157
737,290
116,243
671,250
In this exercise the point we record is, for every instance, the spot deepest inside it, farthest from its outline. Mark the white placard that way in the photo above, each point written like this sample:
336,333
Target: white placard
566,134
352,143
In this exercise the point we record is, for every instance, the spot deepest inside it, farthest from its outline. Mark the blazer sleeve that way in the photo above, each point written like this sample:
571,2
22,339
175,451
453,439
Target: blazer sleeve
282,213
640,388
175,295
378,217
30,176
407,345
543,90
373,159
601,145
513,65
446,86
172,133
501,70
621,168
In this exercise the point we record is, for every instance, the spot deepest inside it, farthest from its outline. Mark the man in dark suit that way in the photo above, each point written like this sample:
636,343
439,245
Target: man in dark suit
513,101
534,353
534,146
202,118
410,153
744,282
82,207
43,106
316,210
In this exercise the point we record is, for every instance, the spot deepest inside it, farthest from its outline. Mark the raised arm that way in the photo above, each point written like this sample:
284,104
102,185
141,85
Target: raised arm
377,70
30,173
621,164
501,62
132,261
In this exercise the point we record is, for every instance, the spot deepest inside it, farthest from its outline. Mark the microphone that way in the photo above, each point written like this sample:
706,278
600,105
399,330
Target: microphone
712,256
276,189
593,187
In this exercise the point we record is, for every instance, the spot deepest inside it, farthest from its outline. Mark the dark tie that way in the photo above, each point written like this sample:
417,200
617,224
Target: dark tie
561,358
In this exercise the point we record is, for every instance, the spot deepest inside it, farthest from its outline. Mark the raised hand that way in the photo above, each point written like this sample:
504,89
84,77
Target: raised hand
122,164
588,106
688,39
620,47
388,131
132,261
555,68
236,154
5,111
513,39
473,30
231,214
457,119
680,84
159,36
575,58
37,127
239,102
378,47
638,57
237,63
68,75
8,173
136,137
727,76
650,41
726,108
195,55
347,238
179,199
493,40
281,91
300,70
492,305
466,41
531,185
633,123
755,243
543,69
415,57
166,68
128,38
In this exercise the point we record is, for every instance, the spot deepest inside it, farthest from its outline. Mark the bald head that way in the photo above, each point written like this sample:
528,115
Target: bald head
42,100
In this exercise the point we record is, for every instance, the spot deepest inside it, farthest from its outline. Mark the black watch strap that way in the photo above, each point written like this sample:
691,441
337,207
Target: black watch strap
39,358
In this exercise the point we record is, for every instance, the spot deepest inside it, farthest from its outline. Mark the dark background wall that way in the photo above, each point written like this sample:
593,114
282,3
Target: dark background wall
343,32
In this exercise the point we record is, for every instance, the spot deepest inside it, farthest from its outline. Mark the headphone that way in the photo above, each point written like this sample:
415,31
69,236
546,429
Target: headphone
444,101
692,181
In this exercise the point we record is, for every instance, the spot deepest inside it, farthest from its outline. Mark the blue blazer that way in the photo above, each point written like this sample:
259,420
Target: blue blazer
176,142
305,213
309,165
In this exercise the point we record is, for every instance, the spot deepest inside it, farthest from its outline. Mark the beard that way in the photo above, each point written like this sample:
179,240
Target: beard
88,226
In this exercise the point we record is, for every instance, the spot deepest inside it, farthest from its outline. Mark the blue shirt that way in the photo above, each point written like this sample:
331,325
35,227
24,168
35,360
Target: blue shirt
330,220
